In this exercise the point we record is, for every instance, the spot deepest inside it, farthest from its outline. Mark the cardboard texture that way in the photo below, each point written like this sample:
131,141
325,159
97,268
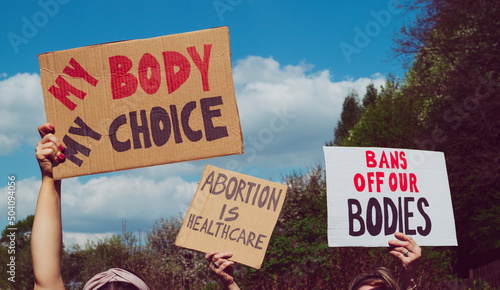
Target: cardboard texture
374,192
232,212
145,102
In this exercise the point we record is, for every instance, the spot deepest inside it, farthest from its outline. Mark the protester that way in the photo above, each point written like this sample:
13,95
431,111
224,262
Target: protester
403,247
46,234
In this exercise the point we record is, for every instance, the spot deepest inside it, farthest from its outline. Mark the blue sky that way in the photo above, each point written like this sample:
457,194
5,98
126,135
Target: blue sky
296,59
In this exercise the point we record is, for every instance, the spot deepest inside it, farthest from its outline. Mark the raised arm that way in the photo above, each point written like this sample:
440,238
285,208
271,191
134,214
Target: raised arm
407,250
46,235
223,268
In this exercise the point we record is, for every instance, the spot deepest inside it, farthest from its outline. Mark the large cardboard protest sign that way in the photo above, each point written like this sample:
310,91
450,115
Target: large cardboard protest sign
144,102
232,212
374,192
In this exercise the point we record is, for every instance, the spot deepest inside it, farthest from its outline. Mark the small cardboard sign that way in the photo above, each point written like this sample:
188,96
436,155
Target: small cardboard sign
145,102
232,212
374,192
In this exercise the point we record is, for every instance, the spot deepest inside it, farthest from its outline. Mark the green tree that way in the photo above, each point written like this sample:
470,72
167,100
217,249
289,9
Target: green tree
23,230
389,122
20,251
351,112
174,267
370,96
455,69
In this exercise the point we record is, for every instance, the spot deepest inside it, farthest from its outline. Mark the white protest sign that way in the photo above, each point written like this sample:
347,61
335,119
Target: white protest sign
374,192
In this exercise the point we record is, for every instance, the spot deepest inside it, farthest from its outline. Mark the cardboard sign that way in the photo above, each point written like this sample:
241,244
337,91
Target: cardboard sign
232,212
374,192
138,103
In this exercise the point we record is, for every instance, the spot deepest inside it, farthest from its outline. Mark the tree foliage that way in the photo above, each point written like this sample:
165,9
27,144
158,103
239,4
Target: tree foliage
370,96
20,251
351,112
457,70
449,101
387,123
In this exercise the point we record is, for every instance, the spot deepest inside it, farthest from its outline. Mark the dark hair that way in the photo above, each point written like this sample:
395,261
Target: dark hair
380,277
118,286
115,285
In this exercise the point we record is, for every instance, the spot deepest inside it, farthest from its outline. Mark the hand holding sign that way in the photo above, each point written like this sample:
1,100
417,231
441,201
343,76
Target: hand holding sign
405,248
48,150
408,251
222,267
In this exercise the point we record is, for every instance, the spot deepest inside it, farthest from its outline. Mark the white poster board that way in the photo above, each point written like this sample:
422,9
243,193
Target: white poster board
374,192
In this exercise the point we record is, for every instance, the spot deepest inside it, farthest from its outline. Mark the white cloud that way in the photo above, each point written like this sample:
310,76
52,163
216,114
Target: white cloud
175,169
288,112
100,204
123,197
72,238
21,110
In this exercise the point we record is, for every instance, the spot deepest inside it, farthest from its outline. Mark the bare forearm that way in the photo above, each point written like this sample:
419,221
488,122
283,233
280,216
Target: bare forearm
232,286
46,238
406,249
409,277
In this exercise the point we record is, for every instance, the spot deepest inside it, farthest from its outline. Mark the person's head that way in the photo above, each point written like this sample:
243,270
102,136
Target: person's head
115,279
380,279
